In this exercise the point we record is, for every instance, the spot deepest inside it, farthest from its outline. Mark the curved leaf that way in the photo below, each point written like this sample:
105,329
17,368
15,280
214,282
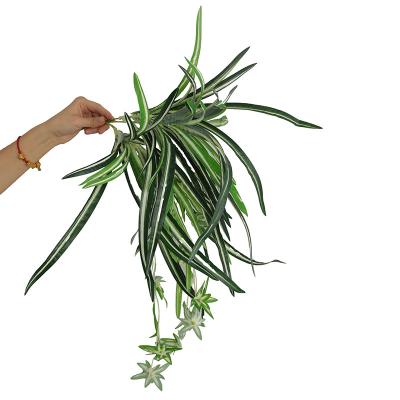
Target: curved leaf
100,163
209,86
69,236
131,126
108,168
271,111
242,157
226,182
229,80
164,111
92,167
176,271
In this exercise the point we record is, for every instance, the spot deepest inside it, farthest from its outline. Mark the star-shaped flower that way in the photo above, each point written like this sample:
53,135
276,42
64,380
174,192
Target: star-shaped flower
202,299
172,343
192,320
160,352
151,374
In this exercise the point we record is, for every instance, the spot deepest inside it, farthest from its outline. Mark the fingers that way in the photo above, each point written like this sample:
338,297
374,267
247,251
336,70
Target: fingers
96,108
93,116
90,122
100,129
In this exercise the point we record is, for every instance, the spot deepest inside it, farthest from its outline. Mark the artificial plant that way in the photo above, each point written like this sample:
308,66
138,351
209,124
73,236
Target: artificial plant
174,152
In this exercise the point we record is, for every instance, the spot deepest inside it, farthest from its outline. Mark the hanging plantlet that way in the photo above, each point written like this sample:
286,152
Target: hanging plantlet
174,153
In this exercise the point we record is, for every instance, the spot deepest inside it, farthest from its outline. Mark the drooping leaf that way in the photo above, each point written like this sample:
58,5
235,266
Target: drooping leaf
242,157
100,163
162,195
92,167
226,181
146,205
108,168
70,235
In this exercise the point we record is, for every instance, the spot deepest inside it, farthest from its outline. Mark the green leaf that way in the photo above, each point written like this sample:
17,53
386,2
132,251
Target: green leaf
246,227
178,300
144,110
209,86
196,50
199,77
175,269
218,78
184,250
69,236
237,199
108,168
229,80
145,210
100,163
189,275
210,162
223,254
271,111
131,126
242,257
218,212
150,150
183,254
162,195
192,84
219,121
242,157
92,167
109,176
164,111
194,155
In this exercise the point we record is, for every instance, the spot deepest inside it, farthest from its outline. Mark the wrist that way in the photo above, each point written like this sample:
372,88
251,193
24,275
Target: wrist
47,135
37,142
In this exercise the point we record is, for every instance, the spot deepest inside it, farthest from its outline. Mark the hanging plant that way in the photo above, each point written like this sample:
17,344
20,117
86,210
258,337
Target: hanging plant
182,175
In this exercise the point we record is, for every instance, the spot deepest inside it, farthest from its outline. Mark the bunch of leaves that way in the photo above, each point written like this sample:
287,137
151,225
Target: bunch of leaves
174,162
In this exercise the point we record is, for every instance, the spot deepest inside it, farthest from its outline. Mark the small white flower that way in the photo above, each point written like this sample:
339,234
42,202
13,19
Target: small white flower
151,374
192,320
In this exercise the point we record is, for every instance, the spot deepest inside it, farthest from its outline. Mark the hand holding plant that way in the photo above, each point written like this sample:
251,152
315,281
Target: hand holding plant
80,114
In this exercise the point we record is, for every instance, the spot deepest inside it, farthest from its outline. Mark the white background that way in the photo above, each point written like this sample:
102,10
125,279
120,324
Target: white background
323,326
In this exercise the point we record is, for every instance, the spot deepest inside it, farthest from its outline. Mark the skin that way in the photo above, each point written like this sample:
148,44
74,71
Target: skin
59,129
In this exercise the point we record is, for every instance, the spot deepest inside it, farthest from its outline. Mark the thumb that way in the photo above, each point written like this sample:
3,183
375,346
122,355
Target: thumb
91,122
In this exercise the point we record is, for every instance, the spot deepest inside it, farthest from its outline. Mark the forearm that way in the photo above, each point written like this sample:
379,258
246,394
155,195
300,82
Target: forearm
34,145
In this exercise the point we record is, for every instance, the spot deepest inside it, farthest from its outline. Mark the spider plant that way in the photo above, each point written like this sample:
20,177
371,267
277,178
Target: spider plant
174,162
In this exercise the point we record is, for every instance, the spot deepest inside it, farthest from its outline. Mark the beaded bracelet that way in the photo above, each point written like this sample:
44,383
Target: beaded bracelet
28,163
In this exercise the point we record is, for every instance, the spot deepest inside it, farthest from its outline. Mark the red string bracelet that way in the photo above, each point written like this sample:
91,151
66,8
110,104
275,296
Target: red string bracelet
28,163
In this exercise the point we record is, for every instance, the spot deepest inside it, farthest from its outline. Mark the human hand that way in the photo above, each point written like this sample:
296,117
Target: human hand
80,114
